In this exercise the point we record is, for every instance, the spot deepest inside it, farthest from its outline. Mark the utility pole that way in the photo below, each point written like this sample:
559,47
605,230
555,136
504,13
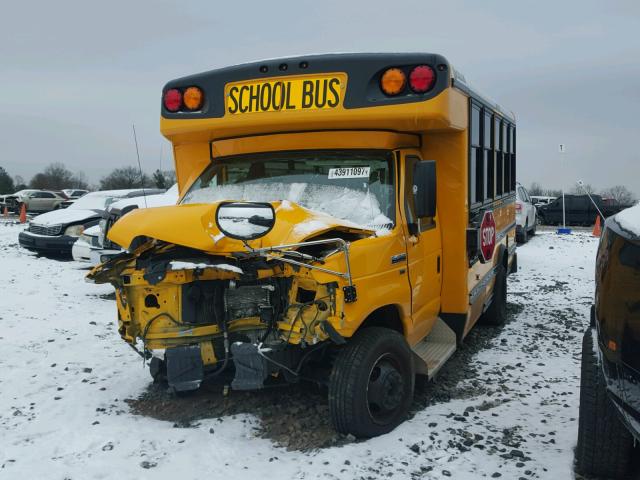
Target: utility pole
562,150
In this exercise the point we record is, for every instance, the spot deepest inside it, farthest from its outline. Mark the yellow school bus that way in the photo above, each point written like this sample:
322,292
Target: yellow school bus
343,218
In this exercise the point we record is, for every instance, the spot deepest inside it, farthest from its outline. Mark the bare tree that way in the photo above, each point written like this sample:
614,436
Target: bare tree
583,189
19,182
125,177
6,182
536,189
79,180
56,177
621,194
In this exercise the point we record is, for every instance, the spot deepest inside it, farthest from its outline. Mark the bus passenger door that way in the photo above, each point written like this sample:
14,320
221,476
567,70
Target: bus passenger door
424,254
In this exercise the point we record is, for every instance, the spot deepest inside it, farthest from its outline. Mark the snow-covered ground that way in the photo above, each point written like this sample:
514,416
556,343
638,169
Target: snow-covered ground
510,409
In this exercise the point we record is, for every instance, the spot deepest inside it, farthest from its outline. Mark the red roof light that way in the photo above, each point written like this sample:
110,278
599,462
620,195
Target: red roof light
422,78
172,99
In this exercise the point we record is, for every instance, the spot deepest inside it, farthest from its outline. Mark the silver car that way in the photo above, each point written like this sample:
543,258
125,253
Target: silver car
526,215
35,200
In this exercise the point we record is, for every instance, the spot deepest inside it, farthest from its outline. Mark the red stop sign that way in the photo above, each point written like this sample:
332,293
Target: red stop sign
487,235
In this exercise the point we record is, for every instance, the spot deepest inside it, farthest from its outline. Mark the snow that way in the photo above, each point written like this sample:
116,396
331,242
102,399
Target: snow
64,216
98,200
178,265
65,375
359,207
629,219
92,231
170,197
310,226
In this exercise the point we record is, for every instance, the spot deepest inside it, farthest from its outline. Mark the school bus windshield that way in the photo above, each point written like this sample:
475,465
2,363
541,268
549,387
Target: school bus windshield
357,186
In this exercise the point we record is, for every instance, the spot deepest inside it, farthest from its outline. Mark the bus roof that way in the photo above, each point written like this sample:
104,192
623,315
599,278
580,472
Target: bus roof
459,81
232,95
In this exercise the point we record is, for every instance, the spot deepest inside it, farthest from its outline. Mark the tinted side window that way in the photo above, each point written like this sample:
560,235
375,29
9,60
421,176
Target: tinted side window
476,168
423,223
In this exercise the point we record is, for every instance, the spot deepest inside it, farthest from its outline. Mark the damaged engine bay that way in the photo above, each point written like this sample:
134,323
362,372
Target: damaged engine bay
256,316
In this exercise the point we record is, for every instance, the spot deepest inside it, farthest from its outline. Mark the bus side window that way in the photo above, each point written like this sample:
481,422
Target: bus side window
422,224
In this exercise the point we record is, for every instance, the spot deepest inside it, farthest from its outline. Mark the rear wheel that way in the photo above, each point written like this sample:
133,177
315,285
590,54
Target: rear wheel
604,444
371,384
496,314
535,226
523,236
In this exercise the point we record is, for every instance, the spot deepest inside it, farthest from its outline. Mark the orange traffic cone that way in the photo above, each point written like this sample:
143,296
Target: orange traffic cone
6,212
23,213
597,231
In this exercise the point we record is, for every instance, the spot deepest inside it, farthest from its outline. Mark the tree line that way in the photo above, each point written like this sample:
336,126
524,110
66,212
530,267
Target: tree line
57,177
621,194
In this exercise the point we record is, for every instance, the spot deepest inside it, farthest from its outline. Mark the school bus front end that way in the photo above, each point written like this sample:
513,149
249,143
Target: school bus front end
344,219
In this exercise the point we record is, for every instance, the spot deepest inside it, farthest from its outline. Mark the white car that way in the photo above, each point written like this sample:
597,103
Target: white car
55,232
105,248
526,216
86,243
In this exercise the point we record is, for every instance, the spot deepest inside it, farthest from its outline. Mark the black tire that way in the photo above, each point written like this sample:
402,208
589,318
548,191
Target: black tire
496,314
604,444
158,370
371,384
532,232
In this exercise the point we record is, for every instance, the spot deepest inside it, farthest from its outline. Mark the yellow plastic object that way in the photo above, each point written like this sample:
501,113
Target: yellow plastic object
194,226
193,98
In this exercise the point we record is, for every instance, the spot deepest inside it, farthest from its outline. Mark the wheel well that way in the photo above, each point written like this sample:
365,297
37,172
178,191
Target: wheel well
387,316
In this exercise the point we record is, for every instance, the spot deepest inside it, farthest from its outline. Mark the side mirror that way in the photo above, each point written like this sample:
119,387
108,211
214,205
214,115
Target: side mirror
424,188
245,220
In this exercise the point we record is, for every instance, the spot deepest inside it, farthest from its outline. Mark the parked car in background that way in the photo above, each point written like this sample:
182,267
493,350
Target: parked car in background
526,218
86,243
56,232
539,200
35,200
579,210
74,193
72,196
106,248
3,202
610,383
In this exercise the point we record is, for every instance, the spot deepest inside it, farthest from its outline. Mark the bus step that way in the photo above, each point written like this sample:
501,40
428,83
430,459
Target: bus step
435,349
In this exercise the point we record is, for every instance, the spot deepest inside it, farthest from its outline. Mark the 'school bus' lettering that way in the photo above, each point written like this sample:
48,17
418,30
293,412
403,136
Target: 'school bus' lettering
310,93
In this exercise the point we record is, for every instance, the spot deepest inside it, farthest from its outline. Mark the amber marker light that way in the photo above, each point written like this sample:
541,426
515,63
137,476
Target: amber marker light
192,98
393,81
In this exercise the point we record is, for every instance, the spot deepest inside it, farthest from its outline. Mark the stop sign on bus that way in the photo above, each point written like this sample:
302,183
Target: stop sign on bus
487,236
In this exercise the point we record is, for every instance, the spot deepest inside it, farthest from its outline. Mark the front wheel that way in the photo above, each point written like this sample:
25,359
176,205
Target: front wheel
371,384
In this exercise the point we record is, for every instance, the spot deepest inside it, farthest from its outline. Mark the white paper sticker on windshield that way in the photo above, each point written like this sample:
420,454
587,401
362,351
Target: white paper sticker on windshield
349,172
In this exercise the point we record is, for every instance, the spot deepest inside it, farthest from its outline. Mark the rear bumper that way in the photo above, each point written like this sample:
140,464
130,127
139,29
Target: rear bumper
43,243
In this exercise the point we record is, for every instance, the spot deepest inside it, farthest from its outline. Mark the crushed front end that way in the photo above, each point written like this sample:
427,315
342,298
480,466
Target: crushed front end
252,315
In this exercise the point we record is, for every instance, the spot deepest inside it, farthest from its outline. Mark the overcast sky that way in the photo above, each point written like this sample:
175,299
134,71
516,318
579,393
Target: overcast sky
74,76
